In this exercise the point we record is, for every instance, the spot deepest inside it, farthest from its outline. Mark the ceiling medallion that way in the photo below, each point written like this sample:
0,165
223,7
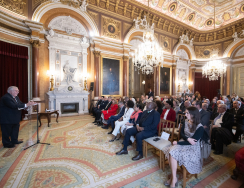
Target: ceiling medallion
242,8
191,17
209,22
172,7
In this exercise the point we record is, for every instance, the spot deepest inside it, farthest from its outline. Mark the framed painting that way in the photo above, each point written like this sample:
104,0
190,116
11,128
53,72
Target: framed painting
165,81
110,76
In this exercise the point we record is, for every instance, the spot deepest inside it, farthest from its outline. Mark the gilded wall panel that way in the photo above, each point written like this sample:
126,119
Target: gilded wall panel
240,84
126,28
165,43
19,7
92,2
226,44
95,17
102,4
111,8
203,52
175,41
111,28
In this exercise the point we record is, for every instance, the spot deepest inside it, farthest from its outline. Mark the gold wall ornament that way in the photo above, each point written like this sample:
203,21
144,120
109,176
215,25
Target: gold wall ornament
204,52
14,5
52,83
95,17
125,58
165,43
111,28
72,3
85,84
35,43
97,53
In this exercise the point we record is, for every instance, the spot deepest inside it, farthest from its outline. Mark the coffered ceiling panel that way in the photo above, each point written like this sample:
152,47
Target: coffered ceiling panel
200,13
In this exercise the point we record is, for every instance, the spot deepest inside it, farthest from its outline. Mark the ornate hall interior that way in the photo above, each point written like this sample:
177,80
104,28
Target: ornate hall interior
66,54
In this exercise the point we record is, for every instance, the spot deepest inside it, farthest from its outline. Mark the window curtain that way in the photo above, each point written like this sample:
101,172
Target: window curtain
14,69
205,87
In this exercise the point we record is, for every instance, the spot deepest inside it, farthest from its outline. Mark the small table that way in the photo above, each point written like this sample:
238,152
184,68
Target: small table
48,115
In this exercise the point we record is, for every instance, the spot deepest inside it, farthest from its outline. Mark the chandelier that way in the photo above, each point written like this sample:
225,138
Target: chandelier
149,54
214,68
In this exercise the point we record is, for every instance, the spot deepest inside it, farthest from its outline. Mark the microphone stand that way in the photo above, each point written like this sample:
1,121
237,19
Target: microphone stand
37,135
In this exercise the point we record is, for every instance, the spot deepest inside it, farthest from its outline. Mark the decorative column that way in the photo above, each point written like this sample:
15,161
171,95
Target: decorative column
193,79
96,72
35,69
173,79
84,46
125,75
157,81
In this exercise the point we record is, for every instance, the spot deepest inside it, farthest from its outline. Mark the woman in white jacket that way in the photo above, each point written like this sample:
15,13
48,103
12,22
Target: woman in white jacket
123,120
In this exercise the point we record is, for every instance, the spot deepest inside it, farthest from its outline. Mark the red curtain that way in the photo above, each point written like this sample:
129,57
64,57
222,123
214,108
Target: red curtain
14,69
205,87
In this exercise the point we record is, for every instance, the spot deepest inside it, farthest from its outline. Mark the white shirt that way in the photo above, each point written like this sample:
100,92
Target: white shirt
200,110
220,120
127,114
166,113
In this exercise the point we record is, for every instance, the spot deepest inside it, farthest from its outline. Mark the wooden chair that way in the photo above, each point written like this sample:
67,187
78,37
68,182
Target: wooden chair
177,129
211,127
164,126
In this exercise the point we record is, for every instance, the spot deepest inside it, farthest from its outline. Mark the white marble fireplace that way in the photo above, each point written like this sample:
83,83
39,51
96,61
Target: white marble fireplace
67,64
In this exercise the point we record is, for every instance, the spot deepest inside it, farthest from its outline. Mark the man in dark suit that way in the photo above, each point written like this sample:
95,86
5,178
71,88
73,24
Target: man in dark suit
238,119
150,94
222,129
104,106
94,109
112,119
183,106
204,115
10,116
215,110
147,128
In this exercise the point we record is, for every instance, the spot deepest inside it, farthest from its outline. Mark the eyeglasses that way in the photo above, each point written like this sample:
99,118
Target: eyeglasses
187,113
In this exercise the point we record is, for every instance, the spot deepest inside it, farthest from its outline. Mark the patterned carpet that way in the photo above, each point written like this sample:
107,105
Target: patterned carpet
81,156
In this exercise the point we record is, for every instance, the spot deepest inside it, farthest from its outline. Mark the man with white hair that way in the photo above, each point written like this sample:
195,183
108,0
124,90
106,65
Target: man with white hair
215,110
238,119
10,116
222,129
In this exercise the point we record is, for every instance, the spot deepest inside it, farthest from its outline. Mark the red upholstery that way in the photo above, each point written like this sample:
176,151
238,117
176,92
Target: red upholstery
239,159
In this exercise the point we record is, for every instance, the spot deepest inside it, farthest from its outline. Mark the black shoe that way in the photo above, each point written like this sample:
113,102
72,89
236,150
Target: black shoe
122,152
112,139
137,157
110,132
217,153
94,121
9,146
99,124
105,127
130,143
19,142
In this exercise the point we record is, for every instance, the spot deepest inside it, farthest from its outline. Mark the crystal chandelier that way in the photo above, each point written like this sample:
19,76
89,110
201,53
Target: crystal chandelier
214,68
149,54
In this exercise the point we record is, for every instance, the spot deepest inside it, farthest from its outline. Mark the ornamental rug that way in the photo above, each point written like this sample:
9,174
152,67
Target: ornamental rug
79,155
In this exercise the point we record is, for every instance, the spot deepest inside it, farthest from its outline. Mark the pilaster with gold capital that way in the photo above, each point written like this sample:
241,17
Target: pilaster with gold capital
97,55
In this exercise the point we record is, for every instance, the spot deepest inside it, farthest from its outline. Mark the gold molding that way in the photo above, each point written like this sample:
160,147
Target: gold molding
115,26
35,43
97,53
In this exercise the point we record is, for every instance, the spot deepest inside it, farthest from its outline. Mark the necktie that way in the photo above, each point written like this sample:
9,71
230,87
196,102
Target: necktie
15,100
217,118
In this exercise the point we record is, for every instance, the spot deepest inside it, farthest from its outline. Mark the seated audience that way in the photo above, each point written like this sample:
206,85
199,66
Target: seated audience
187,151
205,107
146,97
168,113
104,106
146,128
106,114
213,104
138,100
159,106
134,119
114,118
215,111
238,119
123,120
222,129
204,116
145,104
226,101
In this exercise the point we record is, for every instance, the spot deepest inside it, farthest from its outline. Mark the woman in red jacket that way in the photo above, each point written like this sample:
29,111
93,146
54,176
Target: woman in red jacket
106,114
168,113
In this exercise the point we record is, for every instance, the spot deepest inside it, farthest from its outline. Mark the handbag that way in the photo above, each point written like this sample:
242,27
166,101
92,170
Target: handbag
205,149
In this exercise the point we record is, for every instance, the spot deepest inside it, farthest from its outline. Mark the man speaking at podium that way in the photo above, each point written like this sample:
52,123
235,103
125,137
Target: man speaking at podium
10,116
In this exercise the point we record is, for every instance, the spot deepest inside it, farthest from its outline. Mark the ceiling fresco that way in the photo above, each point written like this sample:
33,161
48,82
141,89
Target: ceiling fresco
200,13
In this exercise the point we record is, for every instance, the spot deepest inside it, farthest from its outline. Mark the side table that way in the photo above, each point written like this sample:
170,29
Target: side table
48,115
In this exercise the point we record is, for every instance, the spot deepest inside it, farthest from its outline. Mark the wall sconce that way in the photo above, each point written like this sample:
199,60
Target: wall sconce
86,76
143,82
50,73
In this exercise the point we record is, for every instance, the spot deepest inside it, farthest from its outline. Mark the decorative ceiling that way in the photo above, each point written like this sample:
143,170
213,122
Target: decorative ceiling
200,13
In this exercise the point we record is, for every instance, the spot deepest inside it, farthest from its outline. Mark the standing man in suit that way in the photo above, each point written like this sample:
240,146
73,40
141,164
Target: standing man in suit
112,119
146,128
151,93
204,115
10,116
238,119
222,129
